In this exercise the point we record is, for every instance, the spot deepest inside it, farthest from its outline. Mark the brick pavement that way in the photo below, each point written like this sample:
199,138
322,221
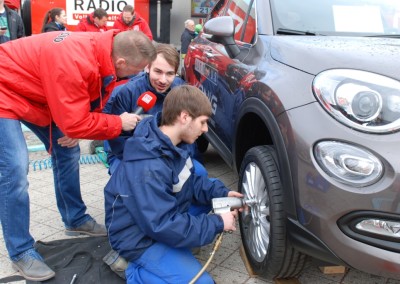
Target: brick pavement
227,265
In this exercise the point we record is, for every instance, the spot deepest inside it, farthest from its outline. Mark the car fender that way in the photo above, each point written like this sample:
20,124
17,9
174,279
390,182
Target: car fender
255,115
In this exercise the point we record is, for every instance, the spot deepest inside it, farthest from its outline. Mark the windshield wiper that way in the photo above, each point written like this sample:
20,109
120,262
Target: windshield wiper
386,35
282,31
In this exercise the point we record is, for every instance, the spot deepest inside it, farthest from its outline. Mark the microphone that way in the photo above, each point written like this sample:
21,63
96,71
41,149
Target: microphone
145,102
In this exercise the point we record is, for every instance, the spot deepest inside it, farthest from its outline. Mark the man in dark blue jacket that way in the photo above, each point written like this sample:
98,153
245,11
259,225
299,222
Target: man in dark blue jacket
148,196
160,79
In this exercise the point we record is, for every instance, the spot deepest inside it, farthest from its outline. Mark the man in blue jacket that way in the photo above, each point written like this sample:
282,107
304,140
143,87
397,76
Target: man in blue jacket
148,196
160,79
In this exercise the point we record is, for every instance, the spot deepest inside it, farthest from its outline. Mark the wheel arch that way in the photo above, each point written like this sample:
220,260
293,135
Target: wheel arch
256,125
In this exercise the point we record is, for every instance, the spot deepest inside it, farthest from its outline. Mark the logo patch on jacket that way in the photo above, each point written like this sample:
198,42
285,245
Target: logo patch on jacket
61,37
183,176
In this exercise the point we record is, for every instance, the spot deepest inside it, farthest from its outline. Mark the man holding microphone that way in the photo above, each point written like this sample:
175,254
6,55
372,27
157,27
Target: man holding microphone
56,84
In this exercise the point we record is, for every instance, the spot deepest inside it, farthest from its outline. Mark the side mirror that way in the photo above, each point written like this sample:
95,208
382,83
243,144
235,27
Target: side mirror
222,30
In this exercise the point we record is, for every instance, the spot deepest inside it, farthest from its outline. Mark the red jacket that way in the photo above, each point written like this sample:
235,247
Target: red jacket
60,77
87,25
138,24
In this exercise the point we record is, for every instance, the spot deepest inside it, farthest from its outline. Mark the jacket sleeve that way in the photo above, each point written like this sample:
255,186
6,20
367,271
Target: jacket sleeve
122,102
66,87
206,189
155,208
20,30
144,27
185,41
80,27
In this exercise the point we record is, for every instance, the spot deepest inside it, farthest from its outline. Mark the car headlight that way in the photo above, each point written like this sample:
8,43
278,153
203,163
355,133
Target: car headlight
361,100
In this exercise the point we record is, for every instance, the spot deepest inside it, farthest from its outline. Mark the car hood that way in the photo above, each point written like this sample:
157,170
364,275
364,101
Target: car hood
313,54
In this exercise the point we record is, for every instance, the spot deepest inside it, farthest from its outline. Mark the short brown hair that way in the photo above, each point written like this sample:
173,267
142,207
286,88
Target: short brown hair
184,98
100,13
128,8
169,53
134,46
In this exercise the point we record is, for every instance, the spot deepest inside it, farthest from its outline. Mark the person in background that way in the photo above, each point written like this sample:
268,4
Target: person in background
129,19
94,22
187,36
11,25
60,99
148,196
55,20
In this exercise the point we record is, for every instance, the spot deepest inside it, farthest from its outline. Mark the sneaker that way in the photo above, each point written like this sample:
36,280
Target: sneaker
91,228
33,269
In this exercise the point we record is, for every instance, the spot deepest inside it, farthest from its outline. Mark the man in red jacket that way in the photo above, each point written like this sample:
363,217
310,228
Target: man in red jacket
60,100
131,20
95,22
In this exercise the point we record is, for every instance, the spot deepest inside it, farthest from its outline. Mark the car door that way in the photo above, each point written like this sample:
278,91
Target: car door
220,76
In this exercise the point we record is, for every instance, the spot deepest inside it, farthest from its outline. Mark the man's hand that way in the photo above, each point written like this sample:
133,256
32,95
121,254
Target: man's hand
129,121
234,194
67,142
229,219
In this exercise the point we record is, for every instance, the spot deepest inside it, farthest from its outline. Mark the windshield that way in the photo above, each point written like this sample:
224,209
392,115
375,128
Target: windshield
337,17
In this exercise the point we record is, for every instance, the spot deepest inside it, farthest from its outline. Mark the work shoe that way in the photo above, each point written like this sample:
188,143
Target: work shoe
117,263
33,269
196,250
91,228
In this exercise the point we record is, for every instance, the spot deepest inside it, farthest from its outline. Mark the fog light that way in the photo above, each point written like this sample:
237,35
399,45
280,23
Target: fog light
348,164
380,227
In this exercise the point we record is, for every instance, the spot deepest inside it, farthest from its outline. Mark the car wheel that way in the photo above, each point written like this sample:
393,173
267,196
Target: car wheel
202,144
263,225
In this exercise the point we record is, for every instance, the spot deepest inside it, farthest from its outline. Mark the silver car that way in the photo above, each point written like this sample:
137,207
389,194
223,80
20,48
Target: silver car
306,108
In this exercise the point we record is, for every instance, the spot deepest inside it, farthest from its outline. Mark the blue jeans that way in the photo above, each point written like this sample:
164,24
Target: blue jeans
14,198
161,264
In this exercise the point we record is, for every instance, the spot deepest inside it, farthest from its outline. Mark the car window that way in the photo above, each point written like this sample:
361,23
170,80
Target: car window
218,9
243,14
338,17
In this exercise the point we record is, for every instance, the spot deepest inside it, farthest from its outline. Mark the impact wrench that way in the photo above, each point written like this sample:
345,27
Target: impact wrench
222,205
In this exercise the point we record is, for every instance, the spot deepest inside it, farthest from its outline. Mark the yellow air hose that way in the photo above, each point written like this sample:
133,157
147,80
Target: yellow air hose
216,247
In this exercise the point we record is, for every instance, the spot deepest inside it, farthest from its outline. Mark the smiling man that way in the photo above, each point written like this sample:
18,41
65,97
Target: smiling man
160,79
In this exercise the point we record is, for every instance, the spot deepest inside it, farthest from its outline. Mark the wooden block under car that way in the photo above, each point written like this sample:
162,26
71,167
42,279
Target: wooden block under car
287,281
251,272
246,262
332,269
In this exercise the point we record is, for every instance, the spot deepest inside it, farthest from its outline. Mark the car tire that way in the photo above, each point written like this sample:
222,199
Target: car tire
202,144
263,225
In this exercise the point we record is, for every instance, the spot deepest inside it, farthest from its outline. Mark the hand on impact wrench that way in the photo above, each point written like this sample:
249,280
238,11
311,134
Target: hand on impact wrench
229,219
